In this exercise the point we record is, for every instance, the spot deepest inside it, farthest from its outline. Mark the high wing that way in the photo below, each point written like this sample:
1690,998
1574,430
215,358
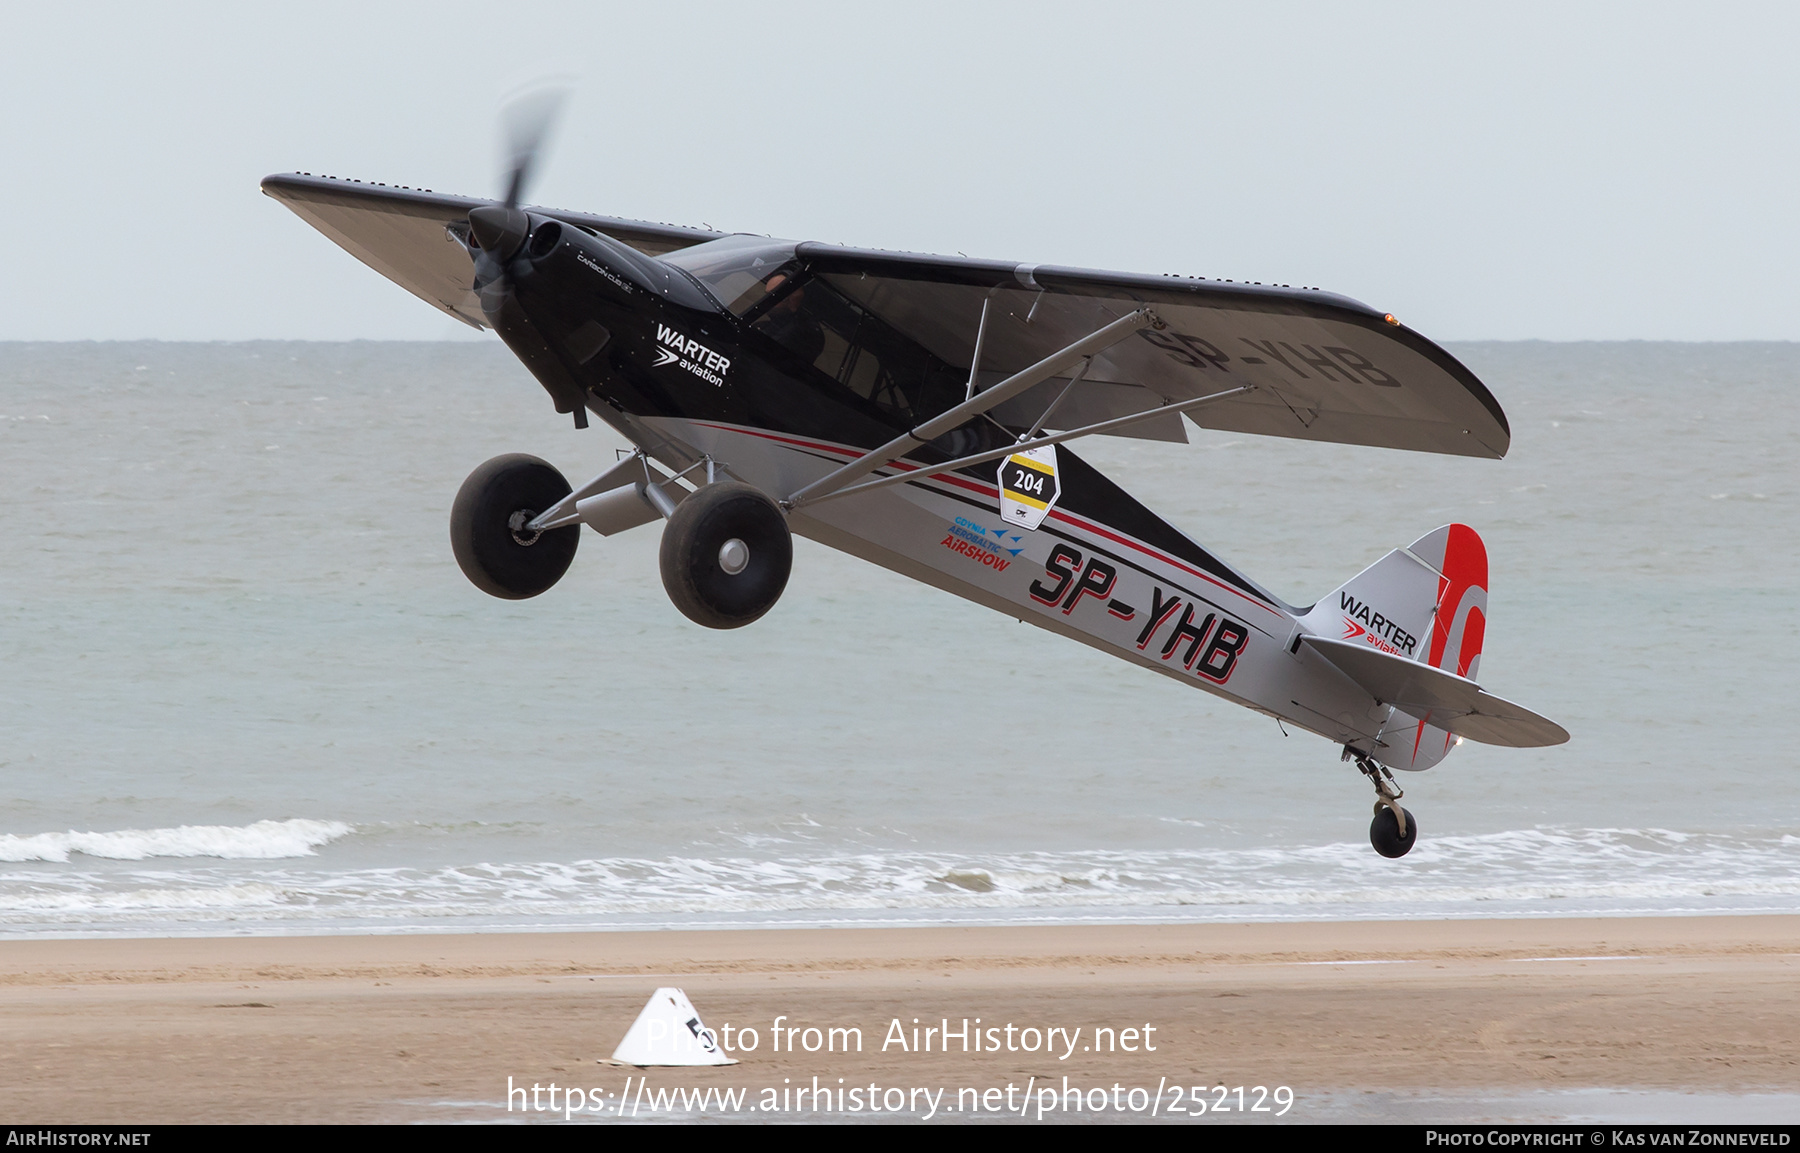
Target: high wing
1324,367
1318,366
401,233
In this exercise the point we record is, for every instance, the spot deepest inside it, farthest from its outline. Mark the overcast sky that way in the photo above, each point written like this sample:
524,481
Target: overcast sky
1557,171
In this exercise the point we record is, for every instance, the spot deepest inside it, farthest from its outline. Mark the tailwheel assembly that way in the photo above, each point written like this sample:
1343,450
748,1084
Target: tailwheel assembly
1393,831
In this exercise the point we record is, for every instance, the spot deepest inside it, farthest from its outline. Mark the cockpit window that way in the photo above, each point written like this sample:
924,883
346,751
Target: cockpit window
735,269
855,348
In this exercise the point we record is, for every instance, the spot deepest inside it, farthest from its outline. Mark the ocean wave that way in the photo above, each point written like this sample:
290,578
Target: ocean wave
262,841
1520,872
223,898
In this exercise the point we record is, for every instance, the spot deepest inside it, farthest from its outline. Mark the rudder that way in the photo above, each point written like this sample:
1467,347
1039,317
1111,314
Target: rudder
1426,602
1459,616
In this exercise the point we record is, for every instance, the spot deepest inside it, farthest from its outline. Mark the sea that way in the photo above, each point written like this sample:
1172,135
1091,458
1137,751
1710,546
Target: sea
244,688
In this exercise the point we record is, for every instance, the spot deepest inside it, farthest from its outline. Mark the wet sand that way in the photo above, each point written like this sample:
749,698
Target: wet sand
430,1027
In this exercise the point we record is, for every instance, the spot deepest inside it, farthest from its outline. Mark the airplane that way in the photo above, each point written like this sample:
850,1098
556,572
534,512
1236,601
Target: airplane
915,411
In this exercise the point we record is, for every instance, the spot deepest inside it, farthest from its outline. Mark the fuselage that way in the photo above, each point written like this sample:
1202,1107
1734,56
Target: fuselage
731,351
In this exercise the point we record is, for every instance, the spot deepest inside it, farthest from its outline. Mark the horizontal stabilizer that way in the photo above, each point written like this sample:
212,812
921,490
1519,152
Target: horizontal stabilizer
1452,703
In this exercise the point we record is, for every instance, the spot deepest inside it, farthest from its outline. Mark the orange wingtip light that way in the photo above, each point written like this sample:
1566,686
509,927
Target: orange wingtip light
1391,318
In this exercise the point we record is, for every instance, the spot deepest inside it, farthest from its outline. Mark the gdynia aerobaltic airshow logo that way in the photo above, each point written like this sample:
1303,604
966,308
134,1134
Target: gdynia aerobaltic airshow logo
698,359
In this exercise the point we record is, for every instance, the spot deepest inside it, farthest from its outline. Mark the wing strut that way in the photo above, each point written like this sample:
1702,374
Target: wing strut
1012,386
1050,411
980,339
1023,446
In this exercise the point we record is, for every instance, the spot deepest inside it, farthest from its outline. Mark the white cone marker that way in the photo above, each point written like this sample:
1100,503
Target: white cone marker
669,1032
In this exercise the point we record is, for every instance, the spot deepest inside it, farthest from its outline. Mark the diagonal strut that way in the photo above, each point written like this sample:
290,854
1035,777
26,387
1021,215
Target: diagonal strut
1043,370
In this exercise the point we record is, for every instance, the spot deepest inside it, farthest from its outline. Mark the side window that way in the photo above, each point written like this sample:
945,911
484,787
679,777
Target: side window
857,349
868,379
835,347
812,322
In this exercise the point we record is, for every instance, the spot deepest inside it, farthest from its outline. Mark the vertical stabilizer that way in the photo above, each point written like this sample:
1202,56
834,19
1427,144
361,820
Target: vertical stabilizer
1426,602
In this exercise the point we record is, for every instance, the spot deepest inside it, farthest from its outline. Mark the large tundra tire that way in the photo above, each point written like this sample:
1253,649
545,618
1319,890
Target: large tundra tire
726,555
487,527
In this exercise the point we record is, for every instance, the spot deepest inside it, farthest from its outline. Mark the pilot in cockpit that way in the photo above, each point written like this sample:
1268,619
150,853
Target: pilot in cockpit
788,322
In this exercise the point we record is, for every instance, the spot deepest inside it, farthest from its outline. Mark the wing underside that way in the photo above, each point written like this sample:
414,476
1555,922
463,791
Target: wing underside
1324,367
1320,367
402,233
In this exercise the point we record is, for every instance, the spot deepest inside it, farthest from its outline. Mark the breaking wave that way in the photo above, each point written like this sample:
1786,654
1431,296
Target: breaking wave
264,840
1539,872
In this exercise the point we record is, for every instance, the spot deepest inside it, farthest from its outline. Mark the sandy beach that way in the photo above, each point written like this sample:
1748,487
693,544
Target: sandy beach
430,1027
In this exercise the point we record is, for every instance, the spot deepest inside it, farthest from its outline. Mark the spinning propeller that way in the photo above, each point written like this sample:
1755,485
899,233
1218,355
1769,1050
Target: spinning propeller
500,229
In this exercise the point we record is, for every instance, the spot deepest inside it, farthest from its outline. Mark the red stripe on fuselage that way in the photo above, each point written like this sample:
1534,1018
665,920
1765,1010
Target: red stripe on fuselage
989,490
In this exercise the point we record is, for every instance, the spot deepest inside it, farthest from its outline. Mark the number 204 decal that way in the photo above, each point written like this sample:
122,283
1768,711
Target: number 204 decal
1028,487
1205,642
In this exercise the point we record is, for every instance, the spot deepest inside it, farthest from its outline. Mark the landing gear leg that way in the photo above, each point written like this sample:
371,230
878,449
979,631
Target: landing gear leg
1393,830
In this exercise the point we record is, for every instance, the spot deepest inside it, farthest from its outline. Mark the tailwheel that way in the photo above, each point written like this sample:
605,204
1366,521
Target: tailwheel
726,555
489,527
1393,831
1385,832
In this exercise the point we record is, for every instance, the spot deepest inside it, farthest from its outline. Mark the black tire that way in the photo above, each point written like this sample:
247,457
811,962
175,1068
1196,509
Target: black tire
1384,833
693,571
497,498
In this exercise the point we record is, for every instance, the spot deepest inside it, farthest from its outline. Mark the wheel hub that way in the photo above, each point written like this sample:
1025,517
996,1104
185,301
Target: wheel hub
516,525
734,556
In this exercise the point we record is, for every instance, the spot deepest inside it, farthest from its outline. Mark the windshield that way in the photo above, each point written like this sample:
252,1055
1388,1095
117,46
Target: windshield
735,269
